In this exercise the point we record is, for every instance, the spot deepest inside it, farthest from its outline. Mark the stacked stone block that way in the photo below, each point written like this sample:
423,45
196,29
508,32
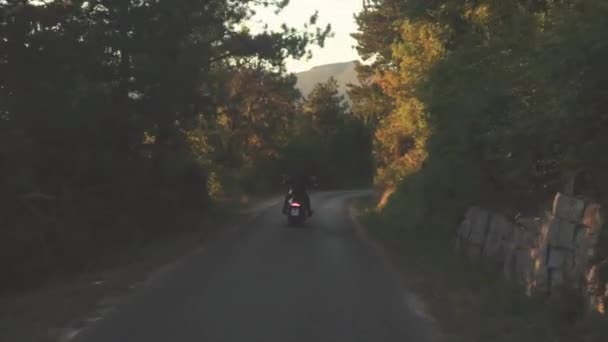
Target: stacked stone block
543,254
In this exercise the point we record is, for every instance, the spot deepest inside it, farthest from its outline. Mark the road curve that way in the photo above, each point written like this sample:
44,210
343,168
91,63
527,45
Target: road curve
270,283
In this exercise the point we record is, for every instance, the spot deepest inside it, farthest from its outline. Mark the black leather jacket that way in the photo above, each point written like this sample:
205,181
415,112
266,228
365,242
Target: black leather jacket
300,183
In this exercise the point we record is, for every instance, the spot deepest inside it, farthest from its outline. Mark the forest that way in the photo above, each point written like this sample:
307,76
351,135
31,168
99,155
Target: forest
492,103
497,102
117,117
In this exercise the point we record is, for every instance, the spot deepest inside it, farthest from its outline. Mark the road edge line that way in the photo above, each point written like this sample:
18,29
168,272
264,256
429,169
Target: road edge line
414,302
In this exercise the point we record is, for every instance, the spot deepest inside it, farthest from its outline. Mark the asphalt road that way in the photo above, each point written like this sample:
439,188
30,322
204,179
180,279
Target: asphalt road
266,282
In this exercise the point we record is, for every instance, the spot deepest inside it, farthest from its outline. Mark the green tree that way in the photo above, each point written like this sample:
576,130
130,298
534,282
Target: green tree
370,104
108,113
325,107
490,90
328,141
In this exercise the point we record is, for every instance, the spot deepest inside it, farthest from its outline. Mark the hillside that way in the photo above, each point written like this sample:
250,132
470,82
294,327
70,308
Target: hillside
344,73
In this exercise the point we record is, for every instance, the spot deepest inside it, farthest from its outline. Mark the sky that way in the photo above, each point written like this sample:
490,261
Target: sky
338,13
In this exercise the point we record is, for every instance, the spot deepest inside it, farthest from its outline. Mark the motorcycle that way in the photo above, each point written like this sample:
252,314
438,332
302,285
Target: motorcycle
296,214
295,208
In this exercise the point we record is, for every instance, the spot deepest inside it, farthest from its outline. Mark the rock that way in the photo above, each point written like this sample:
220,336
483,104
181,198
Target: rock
543,236
597,287
558,258
65,335
553,232
568,208
517,237
541,258
479,226
556,278
593,222
460,242
580,239
566,235
592,217
569,270
524,264
509,270
458,245
530,223
530,233
580,262
512,248
465,229
500,233
473,252
530,239
541,280
542,254
561,233
471,211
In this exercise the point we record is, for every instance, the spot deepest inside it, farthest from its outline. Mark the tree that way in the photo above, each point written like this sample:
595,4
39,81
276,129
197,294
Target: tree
478,89
370,104
327,140
110,108
325,107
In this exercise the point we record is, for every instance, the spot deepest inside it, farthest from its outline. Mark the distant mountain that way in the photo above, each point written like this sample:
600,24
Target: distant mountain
344,73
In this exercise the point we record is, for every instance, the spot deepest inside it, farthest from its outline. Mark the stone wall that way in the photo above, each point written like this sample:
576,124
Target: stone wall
544,254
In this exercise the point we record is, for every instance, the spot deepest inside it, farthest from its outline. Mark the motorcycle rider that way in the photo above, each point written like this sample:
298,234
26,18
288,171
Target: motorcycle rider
299,184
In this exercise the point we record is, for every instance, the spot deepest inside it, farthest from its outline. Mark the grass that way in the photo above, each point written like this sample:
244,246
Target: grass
472,305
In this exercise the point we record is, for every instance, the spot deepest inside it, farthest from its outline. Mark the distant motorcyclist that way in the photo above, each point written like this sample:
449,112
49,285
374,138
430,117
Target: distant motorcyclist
299,185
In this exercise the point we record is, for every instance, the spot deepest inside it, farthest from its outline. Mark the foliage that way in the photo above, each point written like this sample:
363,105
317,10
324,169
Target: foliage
131,111
328,141
495,102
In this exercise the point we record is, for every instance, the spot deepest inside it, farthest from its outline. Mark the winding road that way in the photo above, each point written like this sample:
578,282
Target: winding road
266,282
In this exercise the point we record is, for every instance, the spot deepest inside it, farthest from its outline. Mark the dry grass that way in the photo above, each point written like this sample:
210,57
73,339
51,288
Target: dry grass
472,305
